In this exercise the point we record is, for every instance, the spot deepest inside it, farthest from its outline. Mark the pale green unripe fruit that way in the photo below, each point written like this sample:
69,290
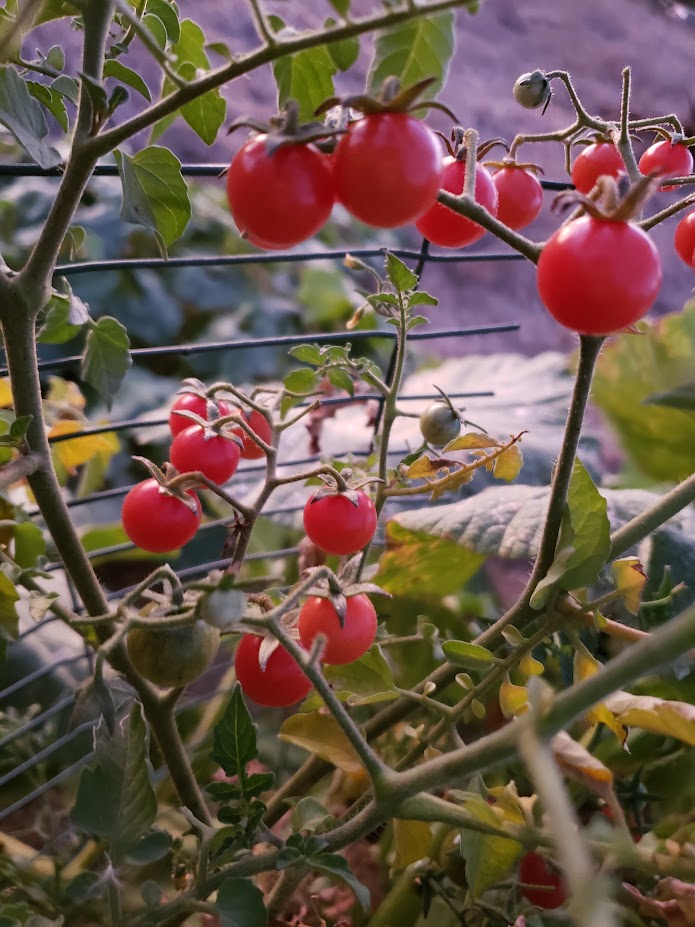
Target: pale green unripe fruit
439,424
173,657
532,90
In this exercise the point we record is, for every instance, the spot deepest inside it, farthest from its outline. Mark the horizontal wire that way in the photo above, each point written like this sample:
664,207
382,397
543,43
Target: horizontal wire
46,752
45,670
38,720
40,790
247,344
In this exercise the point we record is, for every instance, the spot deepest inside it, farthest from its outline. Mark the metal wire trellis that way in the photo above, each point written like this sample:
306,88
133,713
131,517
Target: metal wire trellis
57,711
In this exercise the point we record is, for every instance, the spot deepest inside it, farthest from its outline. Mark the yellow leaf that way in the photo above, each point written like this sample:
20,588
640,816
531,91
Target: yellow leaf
323,736
577,763
629,579
456,481
65,394
77,451
5,393
508,464
412,841
513,699
421,468
658,715
471,440
585,666
507,804
530,666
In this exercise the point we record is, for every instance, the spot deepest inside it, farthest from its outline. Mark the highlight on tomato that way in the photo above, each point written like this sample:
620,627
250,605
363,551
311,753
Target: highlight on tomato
519,193
599,159
159,520
279,683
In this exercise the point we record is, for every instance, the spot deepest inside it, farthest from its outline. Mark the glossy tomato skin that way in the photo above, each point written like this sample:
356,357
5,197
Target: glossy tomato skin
441,225
215,456
259,424
387,169
684,239
189,402
673,160
597,277
343,645
338,526
280,199
280,684
156,520
593,162
519,196
534,870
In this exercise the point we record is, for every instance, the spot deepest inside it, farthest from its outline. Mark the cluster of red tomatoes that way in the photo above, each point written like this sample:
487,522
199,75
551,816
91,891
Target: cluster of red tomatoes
387,170
159,521
337,523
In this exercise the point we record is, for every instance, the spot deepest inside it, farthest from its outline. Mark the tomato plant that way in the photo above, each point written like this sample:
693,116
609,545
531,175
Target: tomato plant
279,684
343,644
191,402
158,521
669,158
684,239
519,195
173,657
441,225
340,523
598,277
279,197
594,161
387,169
543,887
440,423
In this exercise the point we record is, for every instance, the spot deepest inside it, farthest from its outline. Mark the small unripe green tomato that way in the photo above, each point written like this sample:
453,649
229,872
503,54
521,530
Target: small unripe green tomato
173,657
439,424
532,90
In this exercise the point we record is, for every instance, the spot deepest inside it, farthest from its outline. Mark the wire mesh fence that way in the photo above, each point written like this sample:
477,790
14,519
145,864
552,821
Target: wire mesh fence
59,712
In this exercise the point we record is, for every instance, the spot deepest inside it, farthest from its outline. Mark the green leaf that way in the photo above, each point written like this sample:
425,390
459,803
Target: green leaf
322,735
341,379
154,193
309,815
114,68
416,563
401,277
29,544
644,386
306,77
55,56
56,327
115,799
52,99
307,353
205,114
414,50
488,859
234,737
106,357
301,381
150,847
471,656
343,54
584,541
366,681
337,866
156,28
240,904
23,116
166,11
420,298
67,87
342,7
9,619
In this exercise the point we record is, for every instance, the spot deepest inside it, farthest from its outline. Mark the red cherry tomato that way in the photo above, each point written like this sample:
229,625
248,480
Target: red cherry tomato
259,424
519,196
671,160
215,456
593,162
281,683
684,239
441,225
339,526
343,645
387,169
534,870
279,199
157,521
597,277
189,402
